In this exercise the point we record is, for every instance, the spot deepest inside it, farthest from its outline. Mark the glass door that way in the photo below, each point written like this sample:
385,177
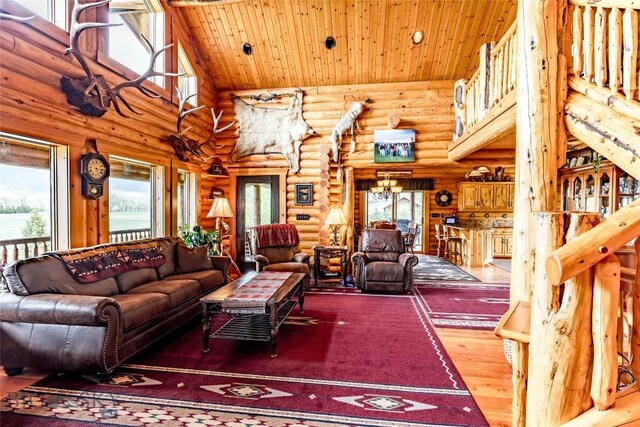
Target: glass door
409,209
256,204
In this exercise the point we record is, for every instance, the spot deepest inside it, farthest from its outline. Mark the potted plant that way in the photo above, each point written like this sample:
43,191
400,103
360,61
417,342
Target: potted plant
199,237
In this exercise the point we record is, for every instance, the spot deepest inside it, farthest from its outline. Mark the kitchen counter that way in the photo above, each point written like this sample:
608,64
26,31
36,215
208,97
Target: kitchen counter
478,242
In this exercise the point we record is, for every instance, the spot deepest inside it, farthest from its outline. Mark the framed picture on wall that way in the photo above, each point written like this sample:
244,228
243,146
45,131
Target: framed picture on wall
394,146
304,194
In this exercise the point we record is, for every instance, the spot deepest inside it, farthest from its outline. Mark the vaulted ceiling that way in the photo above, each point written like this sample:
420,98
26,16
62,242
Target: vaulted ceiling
373,40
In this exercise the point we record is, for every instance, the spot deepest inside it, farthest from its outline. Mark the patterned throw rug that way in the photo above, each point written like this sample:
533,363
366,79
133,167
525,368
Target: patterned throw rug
350,359
433,268
465,305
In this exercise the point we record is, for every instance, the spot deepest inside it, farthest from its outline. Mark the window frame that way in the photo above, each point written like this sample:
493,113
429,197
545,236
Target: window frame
184,64
59,191
191,198
54,10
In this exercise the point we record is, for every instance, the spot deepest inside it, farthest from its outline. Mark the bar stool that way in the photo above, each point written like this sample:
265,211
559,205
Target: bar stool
441,240
453,254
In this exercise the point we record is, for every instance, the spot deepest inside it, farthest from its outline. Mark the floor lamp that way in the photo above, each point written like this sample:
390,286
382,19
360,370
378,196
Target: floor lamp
220,210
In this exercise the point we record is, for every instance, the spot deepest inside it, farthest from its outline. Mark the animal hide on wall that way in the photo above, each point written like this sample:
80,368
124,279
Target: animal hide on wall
346,122
270,130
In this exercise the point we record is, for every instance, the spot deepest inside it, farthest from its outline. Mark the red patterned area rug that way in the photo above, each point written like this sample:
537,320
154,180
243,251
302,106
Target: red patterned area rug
464,305
350,360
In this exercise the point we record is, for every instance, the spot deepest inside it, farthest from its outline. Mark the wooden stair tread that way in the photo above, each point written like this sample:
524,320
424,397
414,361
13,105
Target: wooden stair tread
515,324
624,411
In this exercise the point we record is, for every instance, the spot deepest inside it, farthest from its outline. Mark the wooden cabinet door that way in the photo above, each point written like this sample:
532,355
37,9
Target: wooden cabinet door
485,197
508,245
468,198
498,245
502,198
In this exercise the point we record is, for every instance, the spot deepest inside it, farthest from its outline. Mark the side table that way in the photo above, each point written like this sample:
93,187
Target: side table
329,252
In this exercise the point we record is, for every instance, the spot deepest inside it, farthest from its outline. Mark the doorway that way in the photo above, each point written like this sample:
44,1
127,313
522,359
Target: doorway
257,203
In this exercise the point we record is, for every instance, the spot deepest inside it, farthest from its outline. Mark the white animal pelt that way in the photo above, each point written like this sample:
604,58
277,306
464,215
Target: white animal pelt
346,122
270,130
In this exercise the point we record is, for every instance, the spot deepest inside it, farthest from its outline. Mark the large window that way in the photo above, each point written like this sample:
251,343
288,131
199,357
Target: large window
135,200
33,198
187,188
138,18
188,83
54,11
401,209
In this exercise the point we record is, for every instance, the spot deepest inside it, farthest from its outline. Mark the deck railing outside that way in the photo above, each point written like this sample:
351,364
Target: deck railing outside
119,236
17,249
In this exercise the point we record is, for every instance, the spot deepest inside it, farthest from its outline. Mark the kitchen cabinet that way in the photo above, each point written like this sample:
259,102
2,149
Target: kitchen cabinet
502,242
486,196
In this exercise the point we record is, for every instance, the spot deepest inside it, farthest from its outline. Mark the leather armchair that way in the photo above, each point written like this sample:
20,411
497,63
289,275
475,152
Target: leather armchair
381,264
272,255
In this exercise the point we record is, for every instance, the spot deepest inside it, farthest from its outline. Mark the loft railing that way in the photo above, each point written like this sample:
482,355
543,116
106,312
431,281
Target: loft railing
605,45
17,249
119,236
492,82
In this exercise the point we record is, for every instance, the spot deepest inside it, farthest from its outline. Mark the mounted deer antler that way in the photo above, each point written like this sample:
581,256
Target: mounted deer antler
185,148
93,95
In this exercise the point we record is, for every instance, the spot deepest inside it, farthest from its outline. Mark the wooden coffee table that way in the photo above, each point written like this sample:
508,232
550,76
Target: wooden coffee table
254,327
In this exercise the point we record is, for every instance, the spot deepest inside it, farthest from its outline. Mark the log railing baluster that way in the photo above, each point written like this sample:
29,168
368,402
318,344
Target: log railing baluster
629,52
600,48
615,50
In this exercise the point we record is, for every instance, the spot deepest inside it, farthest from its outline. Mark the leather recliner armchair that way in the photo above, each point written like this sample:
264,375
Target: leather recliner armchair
278,249
382,264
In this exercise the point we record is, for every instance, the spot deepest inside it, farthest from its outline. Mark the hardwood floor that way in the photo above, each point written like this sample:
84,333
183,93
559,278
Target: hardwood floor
478,356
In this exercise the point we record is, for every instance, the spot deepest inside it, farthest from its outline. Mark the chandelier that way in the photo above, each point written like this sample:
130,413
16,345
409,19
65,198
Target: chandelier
386,188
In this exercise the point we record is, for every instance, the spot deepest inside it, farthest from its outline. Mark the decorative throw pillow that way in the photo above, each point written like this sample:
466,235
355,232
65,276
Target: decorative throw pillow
141,255
93,264
190,260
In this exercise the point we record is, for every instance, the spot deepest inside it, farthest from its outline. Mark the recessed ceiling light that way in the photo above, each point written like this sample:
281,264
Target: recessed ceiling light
417,37
247,49
330,43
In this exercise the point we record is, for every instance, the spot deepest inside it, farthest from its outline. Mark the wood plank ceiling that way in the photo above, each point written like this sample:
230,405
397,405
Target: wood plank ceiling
373,40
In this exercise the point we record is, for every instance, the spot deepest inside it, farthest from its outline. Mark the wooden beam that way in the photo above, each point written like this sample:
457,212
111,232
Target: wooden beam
635,328
615,101
560,356
199,3
595,245
500,121
621,4
625,411
536,159
606,297
611,134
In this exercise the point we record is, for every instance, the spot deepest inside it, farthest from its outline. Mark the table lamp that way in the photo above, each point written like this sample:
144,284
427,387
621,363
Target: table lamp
335,220
220,210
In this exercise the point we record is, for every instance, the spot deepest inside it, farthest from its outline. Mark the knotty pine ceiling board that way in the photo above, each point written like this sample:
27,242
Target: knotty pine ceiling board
373,40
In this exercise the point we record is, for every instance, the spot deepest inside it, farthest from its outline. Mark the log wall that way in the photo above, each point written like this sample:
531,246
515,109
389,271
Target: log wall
33,105
423,106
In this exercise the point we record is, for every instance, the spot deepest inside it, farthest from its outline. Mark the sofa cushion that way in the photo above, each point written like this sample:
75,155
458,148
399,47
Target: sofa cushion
383,256
383,271
130,279
168,247
47,274
278,254
208,279
178,291
190,260
382,241
294,267
138,309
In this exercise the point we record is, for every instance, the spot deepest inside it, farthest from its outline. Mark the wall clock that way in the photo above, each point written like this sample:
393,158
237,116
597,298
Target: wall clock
443,198
95,170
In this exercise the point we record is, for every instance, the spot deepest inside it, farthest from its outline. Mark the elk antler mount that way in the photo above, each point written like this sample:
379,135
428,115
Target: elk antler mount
93,95
186,148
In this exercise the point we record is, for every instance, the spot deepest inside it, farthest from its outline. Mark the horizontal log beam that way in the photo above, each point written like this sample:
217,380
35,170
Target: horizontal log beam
611,134
500,121
615,101
621,4
593,246
625,411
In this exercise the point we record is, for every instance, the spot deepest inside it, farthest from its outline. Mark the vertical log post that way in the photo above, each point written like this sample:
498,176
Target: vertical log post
606,296
635,327
536,158
560,356
348,208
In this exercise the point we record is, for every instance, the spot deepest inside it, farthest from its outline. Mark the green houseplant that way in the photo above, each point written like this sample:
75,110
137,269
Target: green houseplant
199,237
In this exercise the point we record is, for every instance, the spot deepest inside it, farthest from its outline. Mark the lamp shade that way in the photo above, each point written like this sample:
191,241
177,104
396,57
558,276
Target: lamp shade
335,217
484,169
220,209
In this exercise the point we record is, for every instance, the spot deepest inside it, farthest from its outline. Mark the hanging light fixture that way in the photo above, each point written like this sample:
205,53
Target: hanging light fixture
386,188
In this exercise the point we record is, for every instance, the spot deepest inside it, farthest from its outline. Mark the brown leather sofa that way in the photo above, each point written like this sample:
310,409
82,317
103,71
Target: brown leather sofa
91,309
382,263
